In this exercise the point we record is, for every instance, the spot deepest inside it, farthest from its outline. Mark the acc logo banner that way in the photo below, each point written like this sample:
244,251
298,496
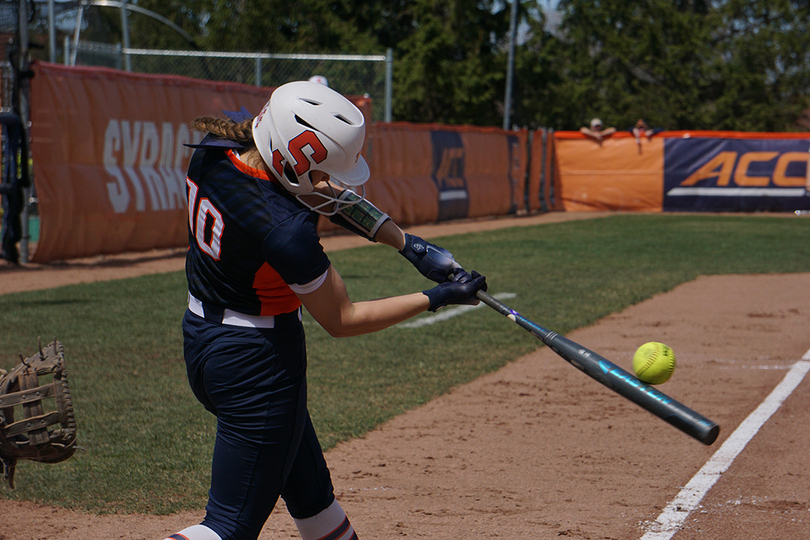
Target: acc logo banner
732,175
448,174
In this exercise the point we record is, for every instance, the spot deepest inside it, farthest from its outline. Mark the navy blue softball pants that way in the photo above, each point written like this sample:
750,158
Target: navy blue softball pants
254,381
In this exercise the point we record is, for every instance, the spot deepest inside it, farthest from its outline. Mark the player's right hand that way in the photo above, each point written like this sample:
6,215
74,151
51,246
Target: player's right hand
461,289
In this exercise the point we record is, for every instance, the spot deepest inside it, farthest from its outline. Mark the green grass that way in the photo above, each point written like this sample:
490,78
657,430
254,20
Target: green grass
147,442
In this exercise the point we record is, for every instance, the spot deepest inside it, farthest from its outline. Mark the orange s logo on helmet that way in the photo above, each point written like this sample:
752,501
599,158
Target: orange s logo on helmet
318,151
278,162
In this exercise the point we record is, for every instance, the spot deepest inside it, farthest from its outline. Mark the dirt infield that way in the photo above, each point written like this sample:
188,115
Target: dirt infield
538,449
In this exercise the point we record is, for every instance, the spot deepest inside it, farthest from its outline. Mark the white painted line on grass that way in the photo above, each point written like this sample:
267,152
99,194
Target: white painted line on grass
449,313
676,512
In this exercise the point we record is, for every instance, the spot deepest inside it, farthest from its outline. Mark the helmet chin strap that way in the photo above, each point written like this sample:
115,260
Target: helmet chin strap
334,203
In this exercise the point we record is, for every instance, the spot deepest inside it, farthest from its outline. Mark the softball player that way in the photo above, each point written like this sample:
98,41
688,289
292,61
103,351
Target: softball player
255,190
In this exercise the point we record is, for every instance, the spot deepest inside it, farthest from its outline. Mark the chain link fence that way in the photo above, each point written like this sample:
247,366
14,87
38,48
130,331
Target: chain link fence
353,75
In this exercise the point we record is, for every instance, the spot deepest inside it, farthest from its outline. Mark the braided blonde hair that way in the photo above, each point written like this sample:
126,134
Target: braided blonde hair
226,129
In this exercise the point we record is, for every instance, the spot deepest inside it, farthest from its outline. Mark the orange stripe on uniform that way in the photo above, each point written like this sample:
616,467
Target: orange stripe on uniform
339,531
275,295
247,169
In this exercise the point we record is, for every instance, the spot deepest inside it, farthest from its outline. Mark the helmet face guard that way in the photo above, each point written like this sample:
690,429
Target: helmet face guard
305,127
333,202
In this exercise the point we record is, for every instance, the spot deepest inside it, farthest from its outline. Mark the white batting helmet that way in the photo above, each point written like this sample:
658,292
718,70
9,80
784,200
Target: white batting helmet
307,126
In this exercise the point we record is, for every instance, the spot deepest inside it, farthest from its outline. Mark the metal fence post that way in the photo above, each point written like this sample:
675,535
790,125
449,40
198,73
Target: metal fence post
76,32
541,194
510,67
120,56
552,195
125,32
528,175
21,68
389,82
51,32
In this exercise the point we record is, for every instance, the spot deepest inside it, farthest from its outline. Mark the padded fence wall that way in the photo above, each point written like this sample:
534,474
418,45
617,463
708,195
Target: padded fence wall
109,160
110,165
684,171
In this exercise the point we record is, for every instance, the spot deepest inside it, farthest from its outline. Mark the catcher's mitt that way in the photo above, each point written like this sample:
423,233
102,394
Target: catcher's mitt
40,404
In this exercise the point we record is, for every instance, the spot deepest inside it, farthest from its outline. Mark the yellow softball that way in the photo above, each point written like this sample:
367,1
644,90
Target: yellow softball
654,362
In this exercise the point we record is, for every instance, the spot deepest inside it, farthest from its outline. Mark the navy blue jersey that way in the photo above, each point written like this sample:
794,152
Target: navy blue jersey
249,239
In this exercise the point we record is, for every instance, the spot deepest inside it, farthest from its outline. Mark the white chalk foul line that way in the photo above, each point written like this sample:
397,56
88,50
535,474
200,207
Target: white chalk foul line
676,512
449,313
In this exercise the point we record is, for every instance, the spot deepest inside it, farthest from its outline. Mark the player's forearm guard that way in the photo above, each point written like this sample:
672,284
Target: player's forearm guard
362,217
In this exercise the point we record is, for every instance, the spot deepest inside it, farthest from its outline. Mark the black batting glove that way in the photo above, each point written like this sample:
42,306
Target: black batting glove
435,263
461,289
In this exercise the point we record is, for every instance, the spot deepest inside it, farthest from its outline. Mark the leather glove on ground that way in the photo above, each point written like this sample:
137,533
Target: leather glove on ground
44,428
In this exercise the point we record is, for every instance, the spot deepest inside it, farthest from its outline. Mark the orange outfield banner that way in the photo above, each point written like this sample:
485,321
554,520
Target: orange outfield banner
496,163
110,161
423,173
541,188
110,164
108,154
454,172
619,173
687,171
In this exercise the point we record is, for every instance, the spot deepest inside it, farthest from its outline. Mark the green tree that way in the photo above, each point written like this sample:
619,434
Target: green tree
449,56
451,68
147,32
282,26
539,78
626,59
763,73
679,64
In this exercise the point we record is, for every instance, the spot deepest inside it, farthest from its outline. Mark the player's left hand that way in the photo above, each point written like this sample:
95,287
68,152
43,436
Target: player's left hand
435,263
